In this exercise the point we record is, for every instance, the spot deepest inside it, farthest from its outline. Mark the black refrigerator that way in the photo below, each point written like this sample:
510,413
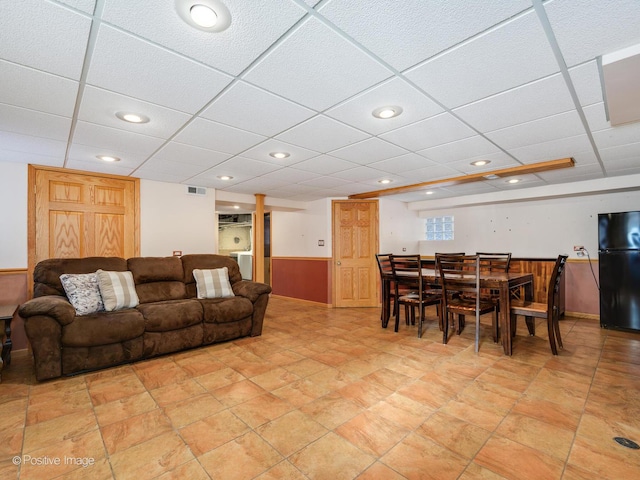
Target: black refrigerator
619,268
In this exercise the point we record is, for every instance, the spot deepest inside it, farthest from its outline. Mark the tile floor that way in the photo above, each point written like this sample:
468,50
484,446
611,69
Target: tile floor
328,394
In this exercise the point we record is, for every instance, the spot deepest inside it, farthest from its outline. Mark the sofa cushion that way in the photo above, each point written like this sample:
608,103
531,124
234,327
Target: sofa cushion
103,328
213,283
117,289
83,292
157,278
223,310
207,261
46,274
170,315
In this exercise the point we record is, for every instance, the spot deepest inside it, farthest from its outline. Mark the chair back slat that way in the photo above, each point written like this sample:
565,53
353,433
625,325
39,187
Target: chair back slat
407,270
384,263
456,271
553,294
494,262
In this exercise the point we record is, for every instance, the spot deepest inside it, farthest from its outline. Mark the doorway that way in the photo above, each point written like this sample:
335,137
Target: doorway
235,239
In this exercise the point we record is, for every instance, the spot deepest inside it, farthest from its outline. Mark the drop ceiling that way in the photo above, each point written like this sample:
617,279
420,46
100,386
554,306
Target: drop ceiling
511,81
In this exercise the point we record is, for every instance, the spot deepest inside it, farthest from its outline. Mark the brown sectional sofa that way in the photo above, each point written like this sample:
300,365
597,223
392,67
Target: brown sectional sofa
169,317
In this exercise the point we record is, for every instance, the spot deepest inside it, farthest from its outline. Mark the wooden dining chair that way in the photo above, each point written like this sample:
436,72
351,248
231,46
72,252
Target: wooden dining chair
407,273
460,279
549,310
386,281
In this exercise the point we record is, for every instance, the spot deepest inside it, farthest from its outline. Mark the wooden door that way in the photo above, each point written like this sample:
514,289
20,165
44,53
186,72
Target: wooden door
355,243
74,214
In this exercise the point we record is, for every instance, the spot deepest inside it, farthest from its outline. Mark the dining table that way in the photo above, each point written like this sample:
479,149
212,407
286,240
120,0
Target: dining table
505,283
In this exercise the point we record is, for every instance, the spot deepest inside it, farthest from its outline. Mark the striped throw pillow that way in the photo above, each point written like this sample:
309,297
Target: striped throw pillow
213,283
117,289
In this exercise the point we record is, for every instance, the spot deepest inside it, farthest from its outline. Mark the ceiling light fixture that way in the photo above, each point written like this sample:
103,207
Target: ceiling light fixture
513,180
428,192
236,207
107,158
132,117
224,177
206,15
387,112
384,181
480,163
279,155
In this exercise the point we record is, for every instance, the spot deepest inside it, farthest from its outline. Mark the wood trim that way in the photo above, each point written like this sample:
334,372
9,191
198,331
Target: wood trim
590,316
321,259
13,271
474,177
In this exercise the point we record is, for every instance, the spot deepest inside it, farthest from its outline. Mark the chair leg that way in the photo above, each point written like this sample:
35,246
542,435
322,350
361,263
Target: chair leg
552,339
496,326
531,325
445,326
397,320
514,324
556,327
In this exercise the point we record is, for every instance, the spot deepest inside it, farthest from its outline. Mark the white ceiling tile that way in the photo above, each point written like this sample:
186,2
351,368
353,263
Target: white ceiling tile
561,148
100,107
324,182
629,151
526,181
44,36
178,169
296,154
617,136
87,156
538,131
443,128
29,144
311,58
369,150
538,99
569,174
290,175
472,188
161,77
515,53
110,139
498,161
324,165
179,152
291,190
250,108
470,147
626,166
29,157
215,136
257,185
108,168
254,26
87,6
31,122
358,111
322,134
586,81
363,174
405,33
403,163
242,169
586,29
37,90
596,117
427,174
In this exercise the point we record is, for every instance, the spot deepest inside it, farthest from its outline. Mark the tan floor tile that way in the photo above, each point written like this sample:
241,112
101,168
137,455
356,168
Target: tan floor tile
365,393
282,471
331,379
432,394
547,411
132,431
187,411
331,410
111,389
275,378
198,364
402,410
124,408
238,392
459,436
371,433
151,458
388,378
211,432
192,470
220,378
244,457
331,458
58,429
300,392
153,377
476,472
305,367
261,409
176,392
513,460
45,407
291,432
608,461
379,471
417,457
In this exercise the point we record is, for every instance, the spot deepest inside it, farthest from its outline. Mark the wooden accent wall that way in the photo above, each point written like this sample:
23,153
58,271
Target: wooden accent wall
542,269
302,278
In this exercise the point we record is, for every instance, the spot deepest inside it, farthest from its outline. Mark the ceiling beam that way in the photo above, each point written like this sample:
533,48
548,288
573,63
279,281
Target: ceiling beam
474,177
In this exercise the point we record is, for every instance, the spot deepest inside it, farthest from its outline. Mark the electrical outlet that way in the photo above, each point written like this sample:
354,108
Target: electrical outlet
578,248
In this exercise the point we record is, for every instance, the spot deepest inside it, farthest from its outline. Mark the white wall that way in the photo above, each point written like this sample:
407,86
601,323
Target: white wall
541,228
172,220
13,215
296,234
400,228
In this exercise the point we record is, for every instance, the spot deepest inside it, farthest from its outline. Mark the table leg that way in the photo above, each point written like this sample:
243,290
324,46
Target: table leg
386,302
504,318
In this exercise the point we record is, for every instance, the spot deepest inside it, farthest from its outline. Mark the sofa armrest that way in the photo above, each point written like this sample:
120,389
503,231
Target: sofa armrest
250,290
52,306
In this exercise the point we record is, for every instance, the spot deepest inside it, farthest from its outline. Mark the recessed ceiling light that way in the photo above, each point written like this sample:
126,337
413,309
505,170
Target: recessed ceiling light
224,177
513,180
236,207
384,181
279,155
387,112
428,192
108,158
132,117
480,163
207,15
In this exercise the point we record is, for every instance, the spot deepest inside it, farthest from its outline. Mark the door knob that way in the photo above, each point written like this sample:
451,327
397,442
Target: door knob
339,263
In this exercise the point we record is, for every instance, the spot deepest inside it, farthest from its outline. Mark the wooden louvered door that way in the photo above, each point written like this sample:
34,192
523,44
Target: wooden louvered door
355,243
73,214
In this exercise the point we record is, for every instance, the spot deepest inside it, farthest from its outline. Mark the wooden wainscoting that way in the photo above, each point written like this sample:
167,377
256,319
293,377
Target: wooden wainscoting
304,278
542,269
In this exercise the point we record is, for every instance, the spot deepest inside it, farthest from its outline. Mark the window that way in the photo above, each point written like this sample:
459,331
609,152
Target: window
439,228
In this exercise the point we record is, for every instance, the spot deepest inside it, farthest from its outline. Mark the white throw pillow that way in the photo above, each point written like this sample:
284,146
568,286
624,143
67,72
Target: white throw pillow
213,283
117,289
83,292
